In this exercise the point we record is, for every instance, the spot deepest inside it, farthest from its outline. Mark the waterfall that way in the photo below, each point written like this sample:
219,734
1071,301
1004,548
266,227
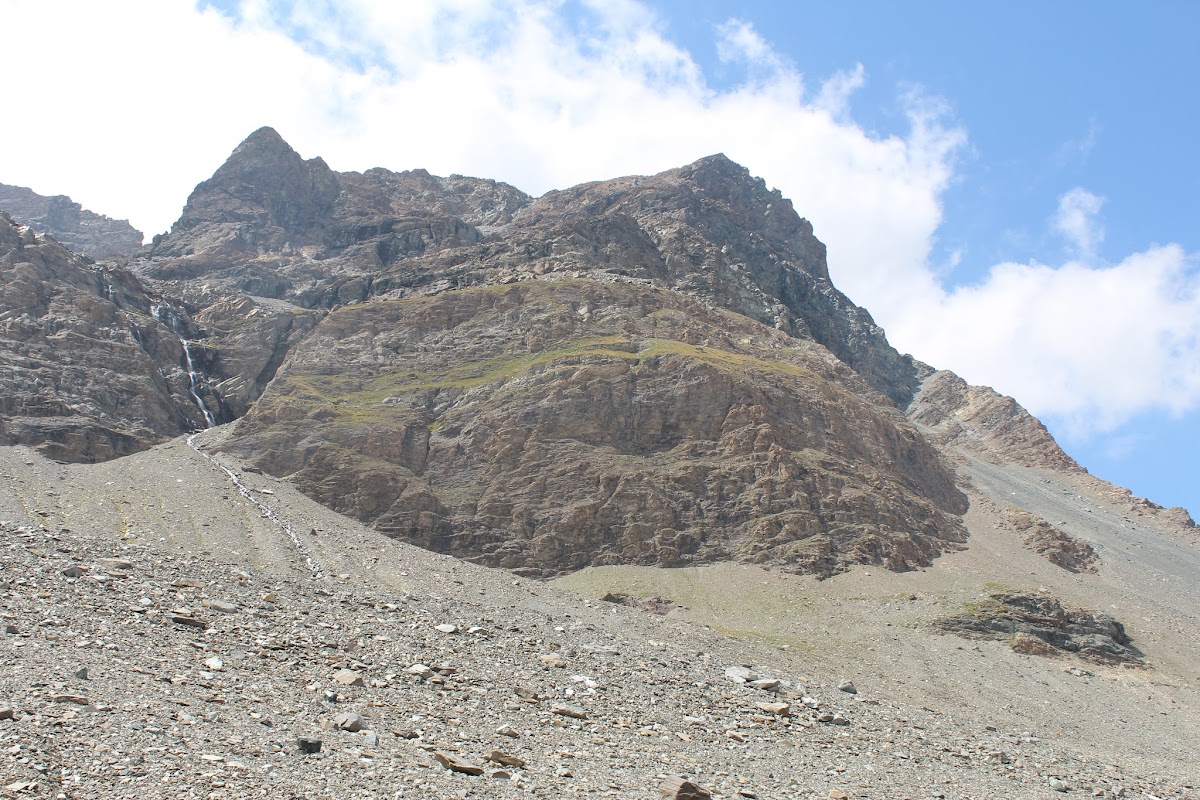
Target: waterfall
302,551
169,317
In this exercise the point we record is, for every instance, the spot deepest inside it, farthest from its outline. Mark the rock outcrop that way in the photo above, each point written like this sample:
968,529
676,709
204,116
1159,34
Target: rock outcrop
1056,546
73,226
984,423
1038,624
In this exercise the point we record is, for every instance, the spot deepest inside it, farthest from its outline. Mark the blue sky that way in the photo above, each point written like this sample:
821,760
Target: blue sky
1012,190
1053,96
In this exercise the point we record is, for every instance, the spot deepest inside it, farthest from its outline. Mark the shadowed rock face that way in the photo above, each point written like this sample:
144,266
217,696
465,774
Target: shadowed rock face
76,228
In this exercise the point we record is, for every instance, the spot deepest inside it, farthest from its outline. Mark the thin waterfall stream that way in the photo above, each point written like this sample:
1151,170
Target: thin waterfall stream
309,562
168,317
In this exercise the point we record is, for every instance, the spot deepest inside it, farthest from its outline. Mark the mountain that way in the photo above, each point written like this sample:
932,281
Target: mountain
79,230
648,370
647,394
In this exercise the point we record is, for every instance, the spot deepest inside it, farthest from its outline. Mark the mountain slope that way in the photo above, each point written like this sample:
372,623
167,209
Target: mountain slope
73,226
165,534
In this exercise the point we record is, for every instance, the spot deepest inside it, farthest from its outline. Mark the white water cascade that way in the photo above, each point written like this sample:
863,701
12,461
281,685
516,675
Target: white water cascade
313,567
166,316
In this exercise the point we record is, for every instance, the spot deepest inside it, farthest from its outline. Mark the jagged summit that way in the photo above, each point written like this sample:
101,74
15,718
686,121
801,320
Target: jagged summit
265,192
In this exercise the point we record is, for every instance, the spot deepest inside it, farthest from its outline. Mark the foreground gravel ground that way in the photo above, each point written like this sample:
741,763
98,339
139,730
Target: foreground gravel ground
136,666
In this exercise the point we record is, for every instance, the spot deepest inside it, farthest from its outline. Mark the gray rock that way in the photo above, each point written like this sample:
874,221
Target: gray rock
221,605
349,721
309,744
739,674
848,687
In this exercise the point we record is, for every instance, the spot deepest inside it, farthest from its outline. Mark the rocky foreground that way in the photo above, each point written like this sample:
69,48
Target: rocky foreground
140,665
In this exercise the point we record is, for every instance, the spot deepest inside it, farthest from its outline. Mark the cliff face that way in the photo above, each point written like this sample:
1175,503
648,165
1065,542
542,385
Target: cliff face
79,230
651,370
87,372
551,425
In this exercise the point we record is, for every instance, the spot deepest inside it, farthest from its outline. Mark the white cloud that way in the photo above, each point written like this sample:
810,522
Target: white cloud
1076,221
1089,346
126,106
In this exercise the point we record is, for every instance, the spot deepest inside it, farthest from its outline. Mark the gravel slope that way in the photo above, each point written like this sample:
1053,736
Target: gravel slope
170,709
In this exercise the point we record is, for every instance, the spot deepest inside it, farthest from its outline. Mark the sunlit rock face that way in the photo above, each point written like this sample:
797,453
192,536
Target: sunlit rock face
651,370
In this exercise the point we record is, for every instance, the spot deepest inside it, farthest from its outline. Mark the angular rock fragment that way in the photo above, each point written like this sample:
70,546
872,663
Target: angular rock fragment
683,789
565,710
505,759
309,744
348,677
778,709
349,721
455,764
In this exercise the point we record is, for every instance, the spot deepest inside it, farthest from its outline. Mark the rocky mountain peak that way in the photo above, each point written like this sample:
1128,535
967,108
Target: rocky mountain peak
263,196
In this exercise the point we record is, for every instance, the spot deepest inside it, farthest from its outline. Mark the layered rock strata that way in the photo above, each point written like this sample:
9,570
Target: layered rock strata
76,228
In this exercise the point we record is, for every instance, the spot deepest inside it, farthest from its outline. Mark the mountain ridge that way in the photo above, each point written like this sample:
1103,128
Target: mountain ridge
346,320
78,229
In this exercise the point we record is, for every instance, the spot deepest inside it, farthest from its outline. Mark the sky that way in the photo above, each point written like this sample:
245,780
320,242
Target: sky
1012,190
